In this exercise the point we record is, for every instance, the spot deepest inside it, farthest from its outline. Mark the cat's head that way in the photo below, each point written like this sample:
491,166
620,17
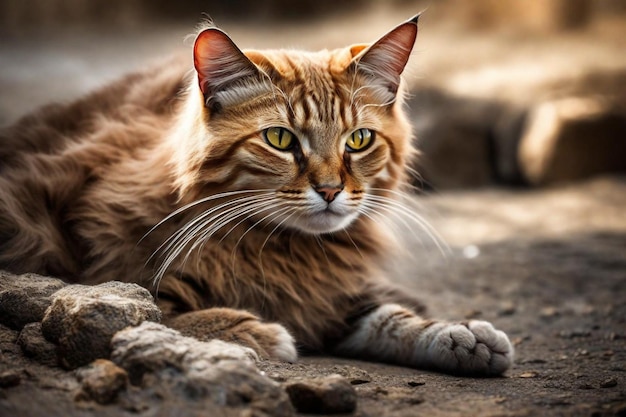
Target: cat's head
316,134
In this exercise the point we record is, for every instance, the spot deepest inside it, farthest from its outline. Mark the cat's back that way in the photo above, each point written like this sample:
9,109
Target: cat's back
53,158
152,92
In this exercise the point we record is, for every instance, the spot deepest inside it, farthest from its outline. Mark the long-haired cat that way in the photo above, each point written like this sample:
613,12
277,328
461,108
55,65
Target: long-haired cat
247,194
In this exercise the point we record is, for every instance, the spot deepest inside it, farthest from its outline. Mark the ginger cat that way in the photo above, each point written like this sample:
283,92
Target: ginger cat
246,194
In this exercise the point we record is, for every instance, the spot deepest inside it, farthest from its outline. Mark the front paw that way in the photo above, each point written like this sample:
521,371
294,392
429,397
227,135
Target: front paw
475,348
268,340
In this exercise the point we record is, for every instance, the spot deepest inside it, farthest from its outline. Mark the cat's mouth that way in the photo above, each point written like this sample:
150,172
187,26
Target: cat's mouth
324,221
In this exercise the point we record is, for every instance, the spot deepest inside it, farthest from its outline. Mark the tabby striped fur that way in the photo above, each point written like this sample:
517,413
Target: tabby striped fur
166,179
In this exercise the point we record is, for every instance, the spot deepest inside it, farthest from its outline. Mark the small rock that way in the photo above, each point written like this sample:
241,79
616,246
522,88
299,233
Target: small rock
507,309
472,314
608,383
35,346
549,312
25,298
532,361
10,379
212,374
353,374
82,319
327,395
102,381
416,383
571,334
151,347
529,374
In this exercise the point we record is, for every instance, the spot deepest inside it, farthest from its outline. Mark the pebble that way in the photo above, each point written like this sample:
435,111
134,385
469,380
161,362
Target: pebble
326,395
507,309
10,379
101,381
416,383
549,312
355,375
608,383
571,334
35,345
472,314
529,374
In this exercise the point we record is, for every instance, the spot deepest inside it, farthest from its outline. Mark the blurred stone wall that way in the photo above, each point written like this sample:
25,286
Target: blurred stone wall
27,15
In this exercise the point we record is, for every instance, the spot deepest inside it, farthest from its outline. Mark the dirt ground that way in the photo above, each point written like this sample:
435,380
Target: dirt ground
546,266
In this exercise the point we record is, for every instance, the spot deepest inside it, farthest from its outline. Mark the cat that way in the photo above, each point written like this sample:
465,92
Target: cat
247,194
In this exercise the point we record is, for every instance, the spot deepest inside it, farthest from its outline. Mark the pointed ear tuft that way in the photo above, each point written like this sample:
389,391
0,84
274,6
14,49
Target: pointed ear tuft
222,68
385,60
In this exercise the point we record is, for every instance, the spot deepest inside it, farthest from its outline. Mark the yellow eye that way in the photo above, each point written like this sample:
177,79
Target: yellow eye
279,138
360,140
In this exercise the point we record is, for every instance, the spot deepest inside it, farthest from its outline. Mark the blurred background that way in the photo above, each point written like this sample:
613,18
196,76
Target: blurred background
502,92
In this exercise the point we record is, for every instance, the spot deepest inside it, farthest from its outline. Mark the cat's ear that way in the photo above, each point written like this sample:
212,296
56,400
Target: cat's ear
225,75
383,62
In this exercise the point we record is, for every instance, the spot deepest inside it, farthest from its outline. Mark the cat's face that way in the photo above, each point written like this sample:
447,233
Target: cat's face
315,134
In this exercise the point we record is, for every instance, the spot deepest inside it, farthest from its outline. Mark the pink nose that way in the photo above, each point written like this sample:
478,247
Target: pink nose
329,192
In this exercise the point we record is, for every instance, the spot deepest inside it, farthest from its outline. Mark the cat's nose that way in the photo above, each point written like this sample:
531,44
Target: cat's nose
329,192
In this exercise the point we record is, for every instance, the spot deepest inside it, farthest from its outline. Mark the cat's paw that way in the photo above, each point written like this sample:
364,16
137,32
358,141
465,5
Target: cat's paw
268,340
271,341
473,348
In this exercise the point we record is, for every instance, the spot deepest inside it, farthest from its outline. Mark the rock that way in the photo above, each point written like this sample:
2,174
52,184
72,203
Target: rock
575,333
573,138
608,383
185,369
355,375
101,381
35,345
326,395
507,308
10,378
465,142
549,312
82,319
25,298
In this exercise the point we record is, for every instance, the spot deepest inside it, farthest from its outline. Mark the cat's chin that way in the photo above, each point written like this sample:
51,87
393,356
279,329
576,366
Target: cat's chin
323,222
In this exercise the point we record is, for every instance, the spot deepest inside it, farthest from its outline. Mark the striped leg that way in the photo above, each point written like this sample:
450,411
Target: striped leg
391,333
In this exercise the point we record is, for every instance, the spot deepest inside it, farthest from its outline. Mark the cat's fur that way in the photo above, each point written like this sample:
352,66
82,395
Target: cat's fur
165,178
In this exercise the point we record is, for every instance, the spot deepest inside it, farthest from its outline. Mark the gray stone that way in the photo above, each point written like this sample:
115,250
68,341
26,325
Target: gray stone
181,368
35,345
82,319
101,381
327,395
25,298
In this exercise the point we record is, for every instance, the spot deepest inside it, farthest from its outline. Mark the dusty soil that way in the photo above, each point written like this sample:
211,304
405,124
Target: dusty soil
547,266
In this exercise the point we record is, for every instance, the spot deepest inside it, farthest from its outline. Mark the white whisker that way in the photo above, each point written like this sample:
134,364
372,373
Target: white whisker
394,206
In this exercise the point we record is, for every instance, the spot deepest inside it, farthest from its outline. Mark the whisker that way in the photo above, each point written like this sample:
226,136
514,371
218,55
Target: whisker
392,205
200,201
201,233
176,243
264,218
171,241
